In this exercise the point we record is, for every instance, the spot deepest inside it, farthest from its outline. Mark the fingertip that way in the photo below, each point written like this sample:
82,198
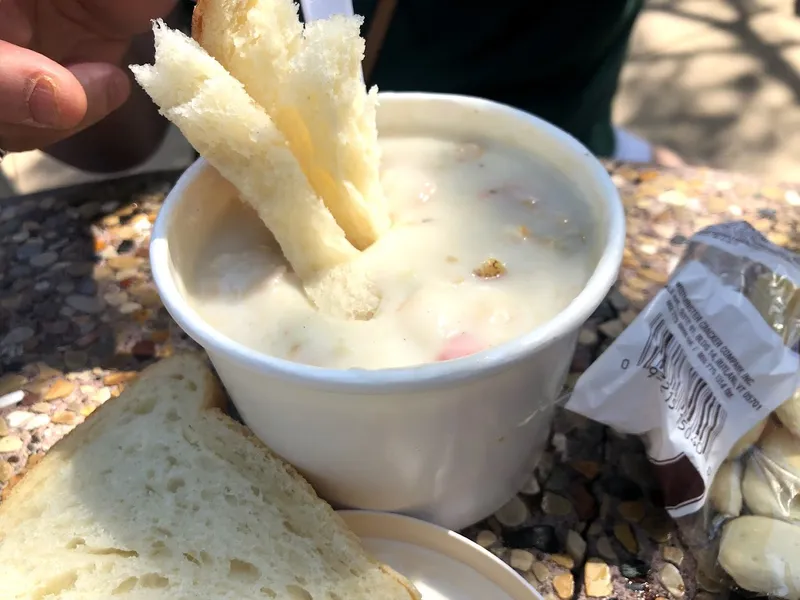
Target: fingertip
36,91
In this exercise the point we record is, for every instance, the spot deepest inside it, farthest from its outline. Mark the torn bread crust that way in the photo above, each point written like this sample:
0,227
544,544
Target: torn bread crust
309,81
239,139
339,116
228,29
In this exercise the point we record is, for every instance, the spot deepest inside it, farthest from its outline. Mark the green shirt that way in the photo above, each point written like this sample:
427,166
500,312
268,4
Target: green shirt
559,60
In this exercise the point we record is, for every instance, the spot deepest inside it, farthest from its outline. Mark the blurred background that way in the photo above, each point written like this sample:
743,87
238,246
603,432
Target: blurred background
718,81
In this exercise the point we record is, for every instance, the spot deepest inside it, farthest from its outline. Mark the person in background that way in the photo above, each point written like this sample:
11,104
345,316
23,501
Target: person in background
558,60
65,88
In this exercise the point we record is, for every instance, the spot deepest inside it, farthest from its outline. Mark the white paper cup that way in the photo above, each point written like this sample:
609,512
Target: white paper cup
448,442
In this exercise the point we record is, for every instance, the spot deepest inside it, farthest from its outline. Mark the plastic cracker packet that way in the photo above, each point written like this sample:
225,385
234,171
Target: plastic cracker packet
707,375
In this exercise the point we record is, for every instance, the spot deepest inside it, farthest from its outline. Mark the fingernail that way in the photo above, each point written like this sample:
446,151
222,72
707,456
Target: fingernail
43,104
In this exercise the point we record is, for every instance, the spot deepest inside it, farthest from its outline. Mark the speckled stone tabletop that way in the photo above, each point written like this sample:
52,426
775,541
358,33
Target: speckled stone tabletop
79,317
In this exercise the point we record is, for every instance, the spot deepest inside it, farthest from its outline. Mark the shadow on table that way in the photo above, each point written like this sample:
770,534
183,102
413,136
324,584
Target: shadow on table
714,112
75,288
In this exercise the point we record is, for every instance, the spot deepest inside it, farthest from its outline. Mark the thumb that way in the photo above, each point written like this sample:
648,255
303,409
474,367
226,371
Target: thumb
35,90
106,87
96,89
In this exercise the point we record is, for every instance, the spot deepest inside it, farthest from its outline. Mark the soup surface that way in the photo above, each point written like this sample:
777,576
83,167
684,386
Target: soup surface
487,243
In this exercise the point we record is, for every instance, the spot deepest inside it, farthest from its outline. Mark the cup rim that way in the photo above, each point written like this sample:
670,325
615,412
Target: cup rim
425,376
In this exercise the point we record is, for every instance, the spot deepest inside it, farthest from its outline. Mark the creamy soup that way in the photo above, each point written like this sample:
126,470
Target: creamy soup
487,244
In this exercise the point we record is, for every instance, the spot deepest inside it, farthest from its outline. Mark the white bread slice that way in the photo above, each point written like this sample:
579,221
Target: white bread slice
228,29
160,496
239,139
311,86
330,99
345,292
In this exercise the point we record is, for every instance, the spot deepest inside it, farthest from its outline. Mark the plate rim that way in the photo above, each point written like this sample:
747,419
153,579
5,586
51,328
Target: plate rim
443,541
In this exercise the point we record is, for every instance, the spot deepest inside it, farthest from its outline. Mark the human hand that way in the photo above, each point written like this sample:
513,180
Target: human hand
60,68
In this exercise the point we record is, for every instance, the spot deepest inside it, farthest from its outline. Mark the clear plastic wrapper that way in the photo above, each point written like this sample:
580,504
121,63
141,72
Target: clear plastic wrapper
708,376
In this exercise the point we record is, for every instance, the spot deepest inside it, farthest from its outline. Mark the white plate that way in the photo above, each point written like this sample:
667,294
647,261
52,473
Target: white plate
442,564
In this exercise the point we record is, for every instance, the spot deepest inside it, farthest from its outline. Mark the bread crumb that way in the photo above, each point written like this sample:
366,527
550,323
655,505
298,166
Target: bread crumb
490,268
451,259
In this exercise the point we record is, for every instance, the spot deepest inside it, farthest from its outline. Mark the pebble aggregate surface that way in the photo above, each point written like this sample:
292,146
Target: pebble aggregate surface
80,317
